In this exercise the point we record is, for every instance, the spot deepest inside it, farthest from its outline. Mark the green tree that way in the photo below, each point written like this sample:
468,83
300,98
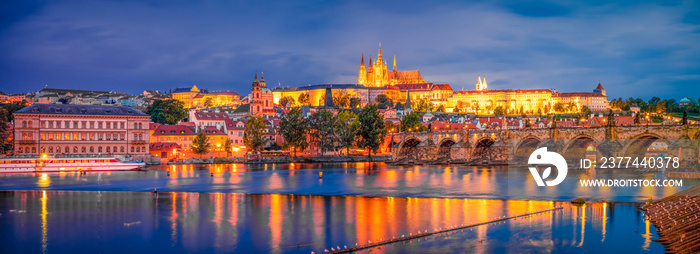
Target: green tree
294,127
440,108
398,106
342,100
227,147
423,105
347,126
208,103
168,111
303,99
586,111
559,107
287,100
200,144
322,130
411,123
355,102
5,142
371,134
384,102
253,138
498,111
661,107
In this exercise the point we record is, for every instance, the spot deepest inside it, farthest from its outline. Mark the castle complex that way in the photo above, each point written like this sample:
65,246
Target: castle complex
377,75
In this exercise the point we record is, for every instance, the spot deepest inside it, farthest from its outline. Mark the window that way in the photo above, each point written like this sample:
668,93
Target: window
140,136
20,150
99,125
138,149
67,149
121,126
58,124
132,149
109,136
107,149
42,136
43,149
121,137
99,149
33,149
83,149
24,124
92,149
50,149
114,149
92,125
135,136
75,149
42,124
84,125
99,136
122,149
75,125
135,125
108,125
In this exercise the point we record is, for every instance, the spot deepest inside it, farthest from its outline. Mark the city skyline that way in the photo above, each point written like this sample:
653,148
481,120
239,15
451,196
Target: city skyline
634,50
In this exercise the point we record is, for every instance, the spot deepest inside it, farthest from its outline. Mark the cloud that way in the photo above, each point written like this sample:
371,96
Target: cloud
634,50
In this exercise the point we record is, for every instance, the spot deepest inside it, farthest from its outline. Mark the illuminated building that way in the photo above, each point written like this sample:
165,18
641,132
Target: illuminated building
183,136
196,98
317,93
377,74
81,129
260,98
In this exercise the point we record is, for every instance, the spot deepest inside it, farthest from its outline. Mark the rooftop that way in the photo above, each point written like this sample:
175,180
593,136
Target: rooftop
71,109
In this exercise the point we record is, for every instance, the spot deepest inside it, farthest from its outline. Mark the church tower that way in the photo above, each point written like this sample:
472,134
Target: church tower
362,76
256,107
478,84
484,86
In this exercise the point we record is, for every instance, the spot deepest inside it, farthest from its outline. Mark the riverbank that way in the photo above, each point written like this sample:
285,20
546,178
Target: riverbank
300,159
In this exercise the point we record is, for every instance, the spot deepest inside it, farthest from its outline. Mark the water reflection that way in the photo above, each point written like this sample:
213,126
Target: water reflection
362,179
118,222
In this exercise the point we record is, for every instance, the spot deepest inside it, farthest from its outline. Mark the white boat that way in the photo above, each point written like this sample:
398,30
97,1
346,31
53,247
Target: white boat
65,163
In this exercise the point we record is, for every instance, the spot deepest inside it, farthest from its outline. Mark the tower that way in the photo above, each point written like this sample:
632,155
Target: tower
599,89
394,63
362,76
478,84
484,86
255,99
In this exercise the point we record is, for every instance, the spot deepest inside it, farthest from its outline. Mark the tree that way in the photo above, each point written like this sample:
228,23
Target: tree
293,127
200,144
342,100
355,102
423,105
347,126
498,111
303,99
254,131
287,100
586,111
411,123
661,107
559,107
5,142
398,106
227,147
169,111
322,129
440,108
371,134
383,101
208,103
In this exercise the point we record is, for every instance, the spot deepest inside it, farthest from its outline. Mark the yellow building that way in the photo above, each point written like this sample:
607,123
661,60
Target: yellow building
196,98
317,93
377,75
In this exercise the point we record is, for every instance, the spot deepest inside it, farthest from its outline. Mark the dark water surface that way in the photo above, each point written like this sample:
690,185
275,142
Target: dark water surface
355,179
131,222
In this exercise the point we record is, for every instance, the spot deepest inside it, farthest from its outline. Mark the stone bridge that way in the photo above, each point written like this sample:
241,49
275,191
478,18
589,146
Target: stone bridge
509,146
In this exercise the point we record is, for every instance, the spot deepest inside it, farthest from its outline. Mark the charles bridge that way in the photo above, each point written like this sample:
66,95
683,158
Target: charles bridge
515,145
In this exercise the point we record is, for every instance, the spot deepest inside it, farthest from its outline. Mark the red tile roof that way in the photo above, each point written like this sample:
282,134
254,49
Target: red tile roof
505,91
211,130
173,130
599,87
442,87
578,95
210,115
405,75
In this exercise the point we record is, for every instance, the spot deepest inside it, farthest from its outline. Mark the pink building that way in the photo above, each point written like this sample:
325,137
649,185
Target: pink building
81,129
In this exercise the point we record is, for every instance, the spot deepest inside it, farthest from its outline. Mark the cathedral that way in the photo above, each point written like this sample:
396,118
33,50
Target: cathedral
378,75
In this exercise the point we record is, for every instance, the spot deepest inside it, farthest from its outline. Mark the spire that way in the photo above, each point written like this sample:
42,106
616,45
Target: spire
394,63
262,78
256,75
484,86
362,64
370,63
379,60
478,84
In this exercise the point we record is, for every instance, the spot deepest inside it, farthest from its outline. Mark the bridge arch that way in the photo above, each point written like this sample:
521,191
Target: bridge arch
407,147
525,147
637,146
578,147
482,149
445,149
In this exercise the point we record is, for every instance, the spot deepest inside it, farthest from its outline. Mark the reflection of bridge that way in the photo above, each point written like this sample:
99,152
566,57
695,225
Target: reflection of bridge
498,146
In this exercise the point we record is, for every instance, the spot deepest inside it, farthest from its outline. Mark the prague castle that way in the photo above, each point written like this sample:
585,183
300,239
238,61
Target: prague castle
377,75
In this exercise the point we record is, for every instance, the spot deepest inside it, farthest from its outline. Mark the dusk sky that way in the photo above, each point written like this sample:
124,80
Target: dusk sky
635,49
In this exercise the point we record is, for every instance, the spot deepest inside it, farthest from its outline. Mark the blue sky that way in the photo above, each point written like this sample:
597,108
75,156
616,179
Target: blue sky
636,48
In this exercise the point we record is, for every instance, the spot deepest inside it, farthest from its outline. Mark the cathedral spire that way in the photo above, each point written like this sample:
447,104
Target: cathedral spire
484,86
362,64
478,84
370,64
379,57
256,75
408,99
394,63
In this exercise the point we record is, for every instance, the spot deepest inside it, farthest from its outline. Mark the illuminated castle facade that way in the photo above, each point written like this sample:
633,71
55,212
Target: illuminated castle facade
378,75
